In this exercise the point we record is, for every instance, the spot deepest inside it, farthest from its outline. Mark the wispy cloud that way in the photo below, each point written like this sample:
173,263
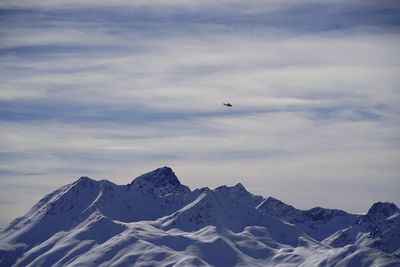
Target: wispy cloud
113,90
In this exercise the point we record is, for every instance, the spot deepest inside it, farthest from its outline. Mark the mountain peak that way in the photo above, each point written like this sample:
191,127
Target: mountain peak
84,181
240,186
236,188
159,177
162,180
276,207
385,208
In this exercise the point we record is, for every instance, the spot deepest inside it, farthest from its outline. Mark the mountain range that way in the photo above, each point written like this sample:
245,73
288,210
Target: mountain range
157,221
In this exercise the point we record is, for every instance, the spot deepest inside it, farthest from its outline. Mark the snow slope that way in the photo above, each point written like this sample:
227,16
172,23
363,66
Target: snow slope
157,221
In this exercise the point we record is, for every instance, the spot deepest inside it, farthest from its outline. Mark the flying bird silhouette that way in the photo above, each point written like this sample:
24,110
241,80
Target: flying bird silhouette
228,104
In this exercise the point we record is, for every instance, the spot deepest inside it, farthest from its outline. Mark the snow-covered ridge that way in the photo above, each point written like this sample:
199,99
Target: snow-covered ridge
156,220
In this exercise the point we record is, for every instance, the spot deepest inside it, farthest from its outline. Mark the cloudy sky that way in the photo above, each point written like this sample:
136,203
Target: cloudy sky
113,89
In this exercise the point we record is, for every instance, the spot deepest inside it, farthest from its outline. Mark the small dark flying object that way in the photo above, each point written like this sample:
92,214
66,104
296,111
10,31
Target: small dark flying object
228,104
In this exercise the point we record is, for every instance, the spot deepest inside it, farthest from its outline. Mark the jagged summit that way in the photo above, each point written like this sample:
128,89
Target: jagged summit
237,188
379,214
385,208
161,181
159,177
84,181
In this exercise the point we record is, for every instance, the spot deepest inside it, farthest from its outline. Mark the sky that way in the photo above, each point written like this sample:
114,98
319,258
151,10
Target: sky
113,89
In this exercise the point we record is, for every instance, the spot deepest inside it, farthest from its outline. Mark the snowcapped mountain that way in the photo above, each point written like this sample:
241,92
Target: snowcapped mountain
157,221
